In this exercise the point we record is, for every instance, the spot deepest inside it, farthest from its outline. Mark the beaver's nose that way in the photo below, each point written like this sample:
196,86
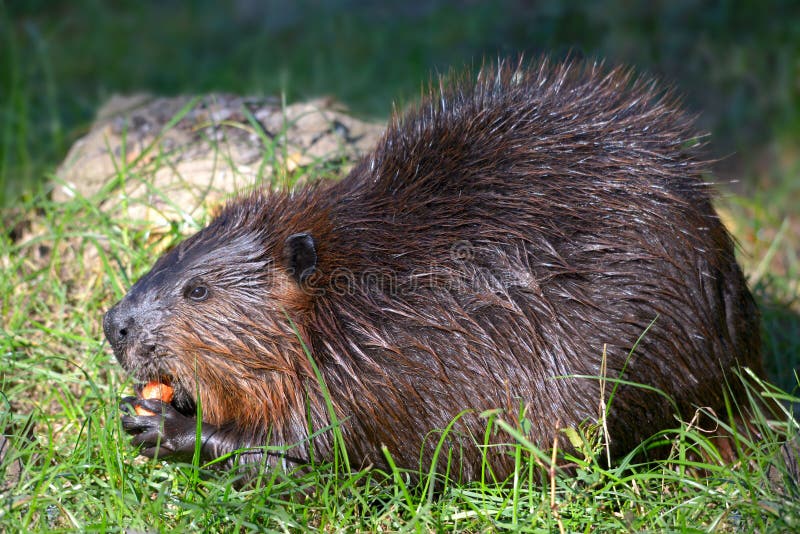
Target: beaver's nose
118,326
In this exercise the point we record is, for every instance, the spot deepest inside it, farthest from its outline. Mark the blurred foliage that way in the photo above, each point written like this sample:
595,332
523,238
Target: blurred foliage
737,62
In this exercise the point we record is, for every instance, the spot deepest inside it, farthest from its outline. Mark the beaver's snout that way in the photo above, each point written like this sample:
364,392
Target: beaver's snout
119,326
128,329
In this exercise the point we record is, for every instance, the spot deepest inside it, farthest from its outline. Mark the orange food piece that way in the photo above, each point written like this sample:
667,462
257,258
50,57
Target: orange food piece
155,390
158,390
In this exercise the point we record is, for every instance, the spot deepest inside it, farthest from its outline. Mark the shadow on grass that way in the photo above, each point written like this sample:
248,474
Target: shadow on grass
780,338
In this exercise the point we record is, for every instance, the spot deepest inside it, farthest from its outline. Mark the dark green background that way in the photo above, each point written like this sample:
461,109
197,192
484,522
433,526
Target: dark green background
736,62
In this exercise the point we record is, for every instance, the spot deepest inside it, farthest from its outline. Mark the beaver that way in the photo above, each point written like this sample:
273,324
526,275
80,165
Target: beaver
514,238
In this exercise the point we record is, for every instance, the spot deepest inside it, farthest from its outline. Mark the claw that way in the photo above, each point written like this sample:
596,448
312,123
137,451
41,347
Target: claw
161,432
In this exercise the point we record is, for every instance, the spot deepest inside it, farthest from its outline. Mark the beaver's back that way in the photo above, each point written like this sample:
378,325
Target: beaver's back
522,229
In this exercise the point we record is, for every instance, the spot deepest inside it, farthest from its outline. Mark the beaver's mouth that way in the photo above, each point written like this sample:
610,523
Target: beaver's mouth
182,400
153,364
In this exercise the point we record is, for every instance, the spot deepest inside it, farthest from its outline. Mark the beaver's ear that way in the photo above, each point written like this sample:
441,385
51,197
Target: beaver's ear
300,254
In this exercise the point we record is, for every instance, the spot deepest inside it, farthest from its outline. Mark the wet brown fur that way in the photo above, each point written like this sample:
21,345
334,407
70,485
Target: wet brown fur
500,236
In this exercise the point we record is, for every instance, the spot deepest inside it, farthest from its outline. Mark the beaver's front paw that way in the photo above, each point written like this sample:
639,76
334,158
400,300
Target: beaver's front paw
165,434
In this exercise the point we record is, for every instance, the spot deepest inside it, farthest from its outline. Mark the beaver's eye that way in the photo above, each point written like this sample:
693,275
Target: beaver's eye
198,293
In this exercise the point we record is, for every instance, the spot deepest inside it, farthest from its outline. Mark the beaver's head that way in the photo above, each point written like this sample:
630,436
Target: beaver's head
219,317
